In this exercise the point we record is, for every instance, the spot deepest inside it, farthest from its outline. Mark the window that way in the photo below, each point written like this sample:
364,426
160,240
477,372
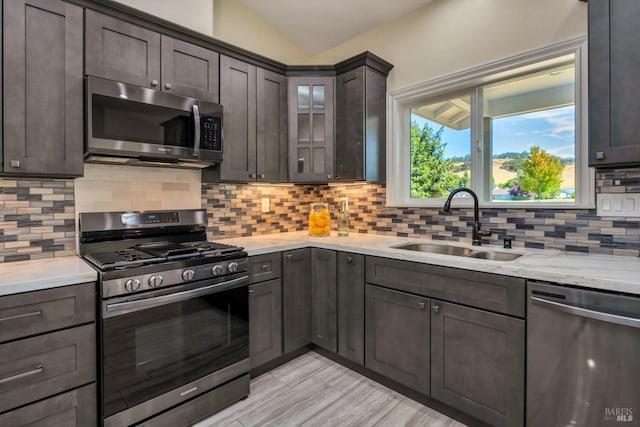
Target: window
513,131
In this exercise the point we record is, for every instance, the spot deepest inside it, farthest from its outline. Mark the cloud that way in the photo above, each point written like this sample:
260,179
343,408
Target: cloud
562,151
561,122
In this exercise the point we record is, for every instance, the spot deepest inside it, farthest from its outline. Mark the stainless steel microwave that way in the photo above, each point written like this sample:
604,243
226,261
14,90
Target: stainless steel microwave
128,124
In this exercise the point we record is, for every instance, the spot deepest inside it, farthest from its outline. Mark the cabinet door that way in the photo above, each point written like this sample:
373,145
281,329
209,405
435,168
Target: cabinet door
397,336
120,51
351,306
324,299
271,104
237,96
296,298
42,80
311,122
614,95
478,363
361,126
265,321
189,70
73,408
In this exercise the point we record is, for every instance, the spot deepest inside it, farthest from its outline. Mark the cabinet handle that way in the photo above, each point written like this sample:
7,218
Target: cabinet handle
349,260
329,176
167,86
38,370
154,83
14,163
265,267
599,155
289,257
436,308
252,176
250,291
20,316
421,305
261,176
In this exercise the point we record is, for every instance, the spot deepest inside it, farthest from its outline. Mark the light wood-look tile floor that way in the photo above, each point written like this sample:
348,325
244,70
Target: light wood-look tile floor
314,391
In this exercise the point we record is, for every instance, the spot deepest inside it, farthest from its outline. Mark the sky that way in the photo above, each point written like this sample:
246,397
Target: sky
552,130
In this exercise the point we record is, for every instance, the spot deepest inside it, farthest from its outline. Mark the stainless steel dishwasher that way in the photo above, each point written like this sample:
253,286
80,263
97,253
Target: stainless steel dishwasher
583,357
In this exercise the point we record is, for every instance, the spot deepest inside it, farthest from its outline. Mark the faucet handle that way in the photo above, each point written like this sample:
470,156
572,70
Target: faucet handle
484,233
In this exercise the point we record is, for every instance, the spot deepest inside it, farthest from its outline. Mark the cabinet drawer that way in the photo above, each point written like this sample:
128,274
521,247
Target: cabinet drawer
493,292
73,408
38,367
265,267
31,313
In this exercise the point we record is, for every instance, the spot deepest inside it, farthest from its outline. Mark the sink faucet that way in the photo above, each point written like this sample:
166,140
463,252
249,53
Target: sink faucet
477,233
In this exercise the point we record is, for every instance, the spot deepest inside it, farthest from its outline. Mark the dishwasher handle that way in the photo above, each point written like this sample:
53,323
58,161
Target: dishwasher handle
585,312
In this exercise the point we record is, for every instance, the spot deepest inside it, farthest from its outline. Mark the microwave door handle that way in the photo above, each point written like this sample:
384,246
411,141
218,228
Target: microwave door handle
196,137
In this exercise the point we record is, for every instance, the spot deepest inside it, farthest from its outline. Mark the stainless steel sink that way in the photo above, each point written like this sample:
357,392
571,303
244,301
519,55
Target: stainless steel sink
435,249
494,256
458,251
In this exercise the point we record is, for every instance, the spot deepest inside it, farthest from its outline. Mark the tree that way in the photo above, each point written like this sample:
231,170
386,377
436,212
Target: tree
431,173
542,174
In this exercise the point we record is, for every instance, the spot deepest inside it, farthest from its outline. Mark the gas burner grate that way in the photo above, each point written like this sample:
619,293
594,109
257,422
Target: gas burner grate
213,248
124,258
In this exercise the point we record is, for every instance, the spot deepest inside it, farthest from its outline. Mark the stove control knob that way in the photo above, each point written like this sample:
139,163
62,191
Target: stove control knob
217,270
188,275
232,267
132,285
155,281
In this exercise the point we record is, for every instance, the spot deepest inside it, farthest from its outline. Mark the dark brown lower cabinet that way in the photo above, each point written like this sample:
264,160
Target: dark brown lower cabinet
351,306
477,362
324,299
397,336
296,299
265,321
73,408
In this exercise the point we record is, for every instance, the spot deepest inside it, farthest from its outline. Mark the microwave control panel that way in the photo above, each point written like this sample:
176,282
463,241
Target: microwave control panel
211,136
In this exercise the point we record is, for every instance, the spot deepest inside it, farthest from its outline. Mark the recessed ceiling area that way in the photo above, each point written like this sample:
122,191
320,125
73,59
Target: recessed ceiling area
317,26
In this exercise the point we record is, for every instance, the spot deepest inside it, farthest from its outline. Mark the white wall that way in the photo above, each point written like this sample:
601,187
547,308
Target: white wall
194,14
447,36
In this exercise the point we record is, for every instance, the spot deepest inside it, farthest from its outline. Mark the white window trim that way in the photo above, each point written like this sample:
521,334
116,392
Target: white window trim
400,102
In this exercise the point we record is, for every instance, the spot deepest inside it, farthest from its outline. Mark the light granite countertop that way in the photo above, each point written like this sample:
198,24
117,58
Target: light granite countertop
606,272
25,276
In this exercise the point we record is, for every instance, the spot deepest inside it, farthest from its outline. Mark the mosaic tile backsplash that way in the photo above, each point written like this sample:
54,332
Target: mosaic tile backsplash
36,219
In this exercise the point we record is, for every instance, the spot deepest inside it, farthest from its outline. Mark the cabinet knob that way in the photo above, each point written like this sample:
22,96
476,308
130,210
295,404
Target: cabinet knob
599,155
261,176
14,163
154,83
265,267
250,291
167,86
252,176
289,257
421,305
329,176
337,177
349,260
436,308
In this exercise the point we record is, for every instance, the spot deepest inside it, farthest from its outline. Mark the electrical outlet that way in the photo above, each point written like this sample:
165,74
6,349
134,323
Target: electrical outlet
265,205
622,204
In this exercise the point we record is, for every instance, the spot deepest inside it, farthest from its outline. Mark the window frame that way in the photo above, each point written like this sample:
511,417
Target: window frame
401,101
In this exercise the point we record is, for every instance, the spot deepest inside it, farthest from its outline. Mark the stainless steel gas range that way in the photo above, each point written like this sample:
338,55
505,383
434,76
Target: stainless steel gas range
174,324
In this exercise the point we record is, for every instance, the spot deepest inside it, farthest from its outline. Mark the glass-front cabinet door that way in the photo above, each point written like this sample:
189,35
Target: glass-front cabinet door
311,123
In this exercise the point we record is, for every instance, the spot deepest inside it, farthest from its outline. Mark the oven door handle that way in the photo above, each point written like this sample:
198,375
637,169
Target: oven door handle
119,308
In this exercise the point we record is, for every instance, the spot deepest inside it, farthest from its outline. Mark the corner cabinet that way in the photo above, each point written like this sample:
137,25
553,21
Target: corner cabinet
360,149
255,124
614,96
42,88
311,129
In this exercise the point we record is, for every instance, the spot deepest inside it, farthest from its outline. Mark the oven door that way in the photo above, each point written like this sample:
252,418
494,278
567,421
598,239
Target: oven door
166,346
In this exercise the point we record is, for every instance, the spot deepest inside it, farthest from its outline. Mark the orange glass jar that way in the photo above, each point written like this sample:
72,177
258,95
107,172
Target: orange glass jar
319,220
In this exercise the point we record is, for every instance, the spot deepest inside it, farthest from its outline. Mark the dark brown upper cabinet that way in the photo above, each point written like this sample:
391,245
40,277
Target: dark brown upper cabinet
311,128
42,81
255,124
360,148
614,96
189,70
124,52
121,51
